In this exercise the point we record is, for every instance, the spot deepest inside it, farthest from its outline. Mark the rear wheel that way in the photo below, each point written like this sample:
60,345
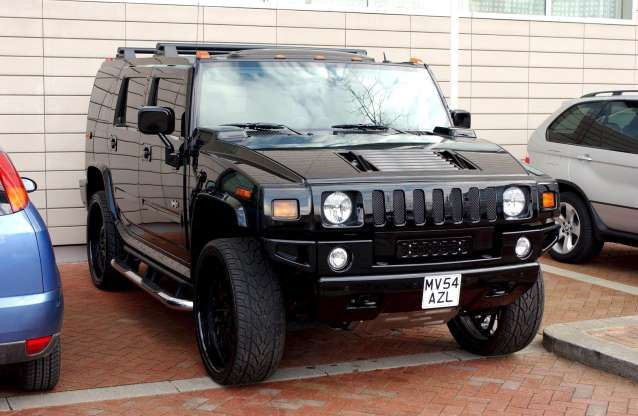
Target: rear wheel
103,244
503,330
577,240
239,312
41,374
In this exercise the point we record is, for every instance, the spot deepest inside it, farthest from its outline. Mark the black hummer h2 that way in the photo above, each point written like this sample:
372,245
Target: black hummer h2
257,184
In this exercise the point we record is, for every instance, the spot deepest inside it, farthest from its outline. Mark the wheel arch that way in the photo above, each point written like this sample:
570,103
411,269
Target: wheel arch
98,178
215,217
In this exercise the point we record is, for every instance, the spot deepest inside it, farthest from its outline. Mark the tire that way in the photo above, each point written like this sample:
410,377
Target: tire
577,241
41,374
242,340
103,244
512,327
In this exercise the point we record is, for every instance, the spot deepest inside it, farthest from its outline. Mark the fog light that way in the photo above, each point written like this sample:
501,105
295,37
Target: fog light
523,247
338,259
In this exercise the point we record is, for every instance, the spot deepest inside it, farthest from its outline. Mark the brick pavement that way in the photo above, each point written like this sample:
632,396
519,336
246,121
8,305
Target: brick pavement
522,384
616,262
120,338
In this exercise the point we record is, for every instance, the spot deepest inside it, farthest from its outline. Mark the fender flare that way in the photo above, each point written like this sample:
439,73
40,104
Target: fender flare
107,182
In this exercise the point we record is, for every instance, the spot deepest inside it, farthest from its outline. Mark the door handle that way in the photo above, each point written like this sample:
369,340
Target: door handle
148,153
586,158
114,143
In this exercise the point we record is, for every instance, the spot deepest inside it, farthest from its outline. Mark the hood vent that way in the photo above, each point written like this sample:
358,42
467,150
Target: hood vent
396,160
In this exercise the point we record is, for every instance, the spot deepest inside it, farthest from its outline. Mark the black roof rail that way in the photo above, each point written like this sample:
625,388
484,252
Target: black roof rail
176,49
611,92
130,53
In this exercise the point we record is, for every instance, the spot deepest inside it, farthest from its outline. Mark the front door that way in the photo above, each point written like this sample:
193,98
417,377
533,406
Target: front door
124,145
162,190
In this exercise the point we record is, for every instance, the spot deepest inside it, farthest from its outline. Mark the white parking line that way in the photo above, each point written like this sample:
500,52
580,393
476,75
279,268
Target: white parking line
581,277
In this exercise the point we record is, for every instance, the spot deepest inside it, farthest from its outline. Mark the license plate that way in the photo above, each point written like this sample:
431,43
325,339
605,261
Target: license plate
441,291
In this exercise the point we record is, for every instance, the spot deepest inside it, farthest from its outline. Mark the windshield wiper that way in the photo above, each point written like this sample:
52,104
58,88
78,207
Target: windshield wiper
366,126
262,126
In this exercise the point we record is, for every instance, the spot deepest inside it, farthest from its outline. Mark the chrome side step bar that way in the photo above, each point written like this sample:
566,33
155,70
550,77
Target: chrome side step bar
168,300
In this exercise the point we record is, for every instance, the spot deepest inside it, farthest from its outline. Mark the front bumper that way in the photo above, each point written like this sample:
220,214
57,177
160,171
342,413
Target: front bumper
351,298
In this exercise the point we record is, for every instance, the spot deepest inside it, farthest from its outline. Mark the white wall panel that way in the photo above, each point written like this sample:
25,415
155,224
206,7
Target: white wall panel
513,73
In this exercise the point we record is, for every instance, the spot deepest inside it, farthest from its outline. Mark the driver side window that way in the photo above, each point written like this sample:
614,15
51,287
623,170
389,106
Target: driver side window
171,93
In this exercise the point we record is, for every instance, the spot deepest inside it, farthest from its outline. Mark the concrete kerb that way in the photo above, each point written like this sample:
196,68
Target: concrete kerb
572,341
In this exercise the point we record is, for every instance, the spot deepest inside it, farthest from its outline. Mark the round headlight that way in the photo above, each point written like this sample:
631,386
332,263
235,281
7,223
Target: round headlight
523,247
513,201
337,208
338,259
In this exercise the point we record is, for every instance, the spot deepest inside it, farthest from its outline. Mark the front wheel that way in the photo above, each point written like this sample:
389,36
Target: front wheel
504,330
239,312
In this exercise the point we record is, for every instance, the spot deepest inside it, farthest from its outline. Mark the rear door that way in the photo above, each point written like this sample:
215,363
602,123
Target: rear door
608,170
162,185
564,138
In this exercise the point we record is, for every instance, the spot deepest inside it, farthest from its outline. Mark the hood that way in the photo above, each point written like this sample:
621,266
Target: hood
365,158
441,158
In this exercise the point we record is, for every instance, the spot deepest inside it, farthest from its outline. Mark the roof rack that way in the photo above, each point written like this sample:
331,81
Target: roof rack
130,53
612,92
177,49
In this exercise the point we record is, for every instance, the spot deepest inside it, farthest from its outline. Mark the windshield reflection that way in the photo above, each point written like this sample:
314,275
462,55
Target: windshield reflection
312,96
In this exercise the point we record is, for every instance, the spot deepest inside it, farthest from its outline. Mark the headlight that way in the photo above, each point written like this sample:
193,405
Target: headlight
513,201
337,208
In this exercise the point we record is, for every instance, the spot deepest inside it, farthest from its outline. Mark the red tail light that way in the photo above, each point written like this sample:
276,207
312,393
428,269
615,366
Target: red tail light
37,345
526,159
12,184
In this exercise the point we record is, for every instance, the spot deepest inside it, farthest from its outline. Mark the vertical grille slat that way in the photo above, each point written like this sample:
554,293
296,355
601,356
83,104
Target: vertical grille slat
419,207
438,206
488,200
398,202
456,205
474,205
378,207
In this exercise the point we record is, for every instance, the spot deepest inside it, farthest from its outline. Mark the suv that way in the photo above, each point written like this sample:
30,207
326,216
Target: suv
260,184
590,145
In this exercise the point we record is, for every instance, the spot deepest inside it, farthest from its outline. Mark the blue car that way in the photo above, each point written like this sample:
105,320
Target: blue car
31,301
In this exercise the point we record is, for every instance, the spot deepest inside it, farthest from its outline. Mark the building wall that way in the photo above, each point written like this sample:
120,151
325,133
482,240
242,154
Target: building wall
513,72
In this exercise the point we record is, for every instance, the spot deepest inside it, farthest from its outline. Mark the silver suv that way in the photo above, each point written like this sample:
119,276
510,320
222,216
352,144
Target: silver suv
590,146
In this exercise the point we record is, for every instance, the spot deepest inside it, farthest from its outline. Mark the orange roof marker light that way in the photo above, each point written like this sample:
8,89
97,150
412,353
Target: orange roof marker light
319,57
280,56
243,193
202,54
356,58
416,61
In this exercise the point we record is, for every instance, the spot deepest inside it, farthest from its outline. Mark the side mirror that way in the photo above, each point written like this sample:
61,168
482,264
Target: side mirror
461,118
156,120
29,184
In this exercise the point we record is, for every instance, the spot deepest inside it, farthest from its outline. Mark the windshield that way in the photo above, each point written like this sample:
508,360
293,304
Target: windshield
319,96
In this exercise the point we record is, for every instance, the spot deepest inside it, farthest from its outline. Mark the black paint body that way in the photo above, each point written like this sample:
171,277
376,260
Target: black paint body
165,214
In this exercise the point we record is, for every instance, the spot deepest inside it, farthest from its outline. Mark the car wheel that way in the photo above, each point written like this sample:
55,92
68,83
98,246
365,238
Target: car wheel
577,241
503,330
239,313
103,244
41,374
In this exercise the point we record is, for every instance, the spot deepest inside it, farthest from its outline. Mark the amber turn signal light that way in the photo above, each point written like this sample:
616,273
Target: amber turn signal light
243,193
202,54
287,209
549,200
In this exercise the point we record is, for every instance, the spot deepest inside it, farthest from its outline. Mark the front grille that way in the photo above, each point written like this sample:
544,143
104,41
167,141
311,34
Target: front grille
434,206
434,247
